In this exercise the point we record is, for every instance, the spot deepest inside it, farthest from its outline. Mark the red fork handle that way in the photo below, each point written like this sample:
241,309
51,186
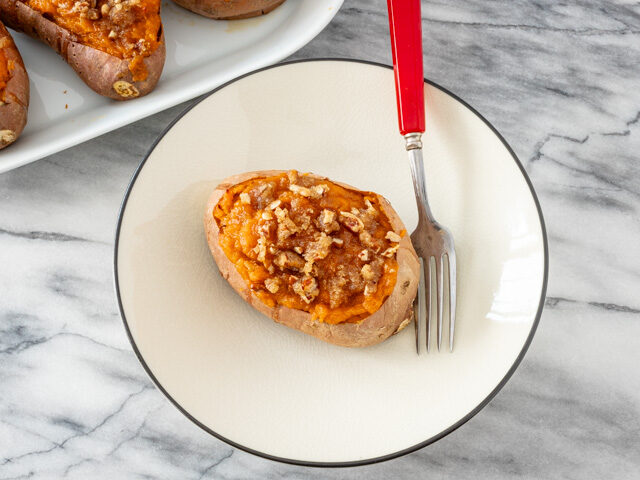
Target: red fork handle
406,49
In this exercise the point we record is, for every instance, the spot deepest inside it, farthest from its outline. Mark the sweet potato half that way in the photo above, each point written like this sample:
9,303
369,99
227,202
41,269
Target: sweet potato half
115,46
319,256
229,9
14,90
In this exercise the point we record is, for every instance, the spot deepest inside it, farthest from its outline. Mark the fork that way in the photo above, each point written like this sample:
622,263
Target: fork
433,242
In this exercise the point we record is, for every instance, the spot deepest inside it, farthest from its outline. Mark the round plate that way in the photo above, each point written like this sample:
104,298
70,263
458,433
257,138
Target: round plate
274,391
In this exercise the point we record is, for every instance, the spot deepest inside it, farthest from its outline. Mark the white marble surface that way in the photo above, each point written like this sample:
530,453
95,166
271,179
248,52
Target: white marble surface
559,80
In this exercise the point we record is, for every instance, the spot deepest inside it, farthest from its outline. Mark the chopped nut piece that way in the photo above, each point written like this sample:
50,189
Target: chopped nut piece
265,228
393,236
366,238
112,34
364,255
318,191
298,250
328,216
389,252
245,198
266,215
327,221
368,241
293,176
261,249
370,208
308,268
305,222
104,9
338,241
367,272
371,272
286,226
272,284
7,136
370,288
352,222
307,288
290,260
304,191
275,204
262,195
319,249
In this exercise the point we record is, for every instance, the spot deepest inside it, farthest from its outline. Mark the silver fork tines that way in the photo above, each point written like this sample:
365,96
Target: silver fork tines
430,240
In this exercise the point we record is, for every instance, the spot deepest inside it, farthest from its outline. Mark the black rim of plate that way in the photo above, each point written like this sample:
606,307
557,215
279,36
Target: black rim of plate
355,463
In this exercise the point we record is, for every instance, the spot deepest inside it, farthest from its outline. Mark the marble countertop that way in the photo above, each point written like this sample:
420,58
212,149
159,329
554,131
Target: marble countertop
558,79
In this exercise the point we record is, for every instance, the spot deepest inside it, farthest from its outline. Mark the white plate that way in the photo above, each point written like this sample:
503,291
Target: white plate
201,55
277,392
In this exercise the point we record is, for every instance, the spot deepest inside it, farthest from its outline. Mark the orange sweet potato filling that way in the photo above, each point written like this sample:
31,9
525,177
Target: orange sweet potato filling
127,29
296,242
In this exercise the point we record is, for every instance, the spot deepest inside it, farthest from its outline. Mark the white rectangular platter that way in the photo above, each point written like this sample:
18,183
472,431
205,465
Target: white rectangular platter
201,55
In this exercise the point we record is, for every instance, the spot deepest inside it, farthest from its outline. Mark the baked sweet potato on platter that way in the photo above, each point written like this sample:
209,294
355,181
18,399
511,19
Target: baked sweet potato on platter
14,90
115,46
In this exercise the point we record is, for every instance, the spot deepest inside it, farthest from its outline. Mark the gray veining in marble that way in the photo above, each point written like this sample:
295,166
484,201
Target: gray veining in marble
560,80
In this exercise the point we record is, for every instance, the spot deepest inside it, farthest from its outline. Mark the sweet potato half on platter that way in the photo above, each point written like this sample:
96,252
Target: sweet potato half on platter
115,46
14,90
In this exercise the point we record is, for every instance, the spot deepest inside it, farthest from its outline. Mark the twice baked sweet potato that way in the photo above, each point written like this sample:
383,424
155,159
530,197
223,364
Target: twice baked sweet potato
115,46
229,9
315,255
14,90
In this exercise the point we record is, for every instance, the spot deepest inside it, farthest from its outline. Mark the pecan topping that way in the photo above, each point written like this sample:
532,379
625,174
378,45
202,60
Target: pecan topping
307,288
393,236
327,221
390,252
352,222
290,260
272,284
304,191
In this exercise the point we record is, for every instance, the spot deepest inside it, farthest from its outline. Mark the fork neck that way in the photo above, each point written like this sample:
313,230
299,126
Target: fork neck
414,149
413,141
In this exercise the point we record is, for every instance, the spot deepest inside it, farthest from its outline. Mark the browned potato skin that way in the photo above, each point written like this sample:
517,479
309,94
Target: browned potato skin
229,9
102,72
395,314
13,113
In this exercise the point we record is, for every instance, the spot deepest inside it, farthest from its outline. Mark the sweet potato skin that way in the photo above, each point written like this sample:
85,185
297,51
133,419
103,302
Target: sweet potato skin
13,111
105,74
229,9
396,312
